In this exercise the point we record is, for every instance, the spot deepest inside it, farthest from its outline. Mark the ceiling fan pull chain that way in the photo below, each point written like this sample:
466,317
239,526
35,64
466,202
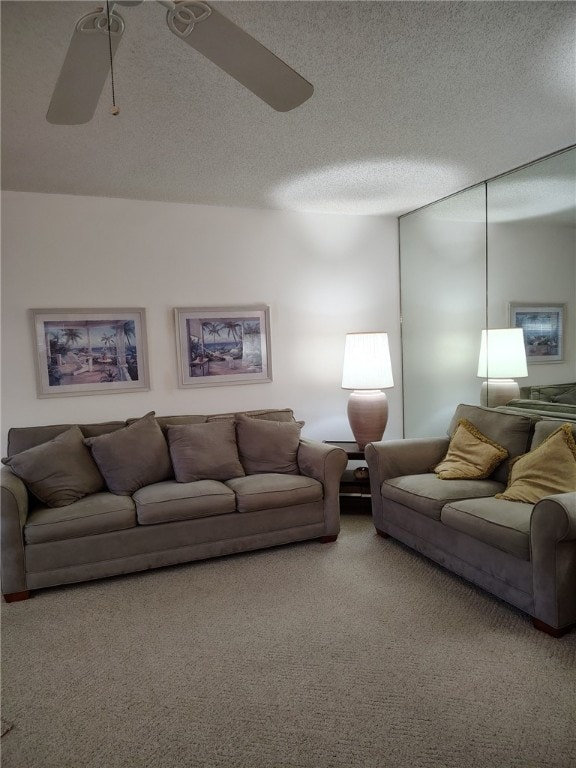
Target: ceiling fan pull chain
114,110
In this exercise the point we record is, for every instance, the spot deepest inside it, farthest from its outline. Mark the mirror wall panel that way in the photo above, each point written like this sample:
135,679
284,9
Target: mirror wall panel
531,216
463,261
443,305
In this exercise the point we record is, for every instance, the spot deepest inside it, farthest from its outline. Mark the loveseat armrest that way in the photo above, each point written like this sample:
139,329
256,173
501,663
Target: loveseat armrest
553,553
396,458
325,463
13,514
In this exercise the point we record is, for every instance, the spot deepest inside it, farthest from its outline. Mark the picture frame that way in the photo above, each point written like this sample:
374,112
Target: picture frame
223,345
90,351
544,327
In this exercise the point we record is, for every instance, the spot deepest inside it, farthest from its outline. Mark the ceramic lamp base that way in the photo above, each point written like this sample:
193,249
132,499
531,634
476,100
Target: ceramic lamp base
368,415
496,392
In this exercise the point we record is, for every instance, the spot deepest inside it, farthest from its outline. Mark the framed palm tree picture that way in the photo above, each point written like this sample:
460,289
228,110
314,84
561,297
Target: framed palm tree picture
90,351
543,327
223,345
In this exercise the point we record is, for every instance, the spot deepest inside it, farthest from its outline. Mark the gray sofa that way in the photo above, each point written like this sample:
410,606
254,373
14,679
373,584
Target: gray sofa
554,401
106,499
524,553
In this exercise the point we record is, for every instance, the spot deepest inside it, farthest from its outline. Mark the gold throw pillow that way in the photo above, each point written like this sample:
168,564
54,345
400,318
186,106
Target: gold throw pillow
471,455
548,469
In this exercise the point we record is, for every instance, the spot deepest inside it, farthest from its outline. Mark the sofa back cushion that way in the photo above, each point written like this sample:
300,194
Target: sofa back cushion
545,428
470,455
546,392
268,414
548,469
22,438
168,421
204,451
132,457
268,446
59,471
509,430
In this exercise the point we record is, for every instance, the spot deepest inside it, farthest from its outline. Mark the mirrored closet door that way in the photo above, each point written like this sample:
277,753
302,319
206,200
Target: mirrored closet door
476,260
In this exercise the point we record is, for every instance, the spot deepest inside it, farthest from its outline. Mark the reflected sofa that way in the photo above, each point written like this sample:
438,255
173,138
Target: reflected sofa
556,401
112,498
524,553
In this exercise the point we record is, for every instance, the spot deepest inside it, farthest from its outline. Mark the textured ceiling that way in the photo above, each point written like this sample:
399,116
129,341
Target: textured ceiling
412,102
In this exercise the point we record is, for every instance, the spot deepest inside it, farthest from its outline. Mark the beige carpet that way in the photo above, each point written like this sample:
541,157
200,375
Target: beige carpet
353,654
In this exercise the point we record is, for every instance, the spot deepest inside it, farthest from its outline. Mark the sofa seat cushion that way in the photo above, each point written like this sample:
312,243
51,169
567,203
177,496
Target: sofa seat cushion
496,522
272,490
168,501
97,513
427,493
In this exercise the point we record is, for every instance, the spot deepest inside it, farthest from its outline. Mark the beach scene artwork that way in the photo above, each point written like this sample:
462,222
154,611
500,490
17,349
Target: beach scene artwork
223,347
81,354
543,328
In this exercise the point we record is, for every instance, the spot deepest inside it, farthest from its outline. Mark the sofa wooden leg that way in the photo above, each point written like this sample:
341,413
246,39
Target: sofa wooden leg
553,631
328,539
15,597
383,534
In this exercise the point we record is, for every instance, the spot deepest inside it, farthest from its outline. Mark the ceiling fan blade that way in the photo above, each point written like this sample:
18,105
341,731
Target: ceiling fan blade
239,54
85,69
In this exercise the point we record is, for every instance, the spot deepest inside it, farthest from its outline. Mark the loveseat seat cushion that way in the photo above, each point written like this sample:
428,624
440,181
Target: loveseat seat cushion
427,493
496,522
272,490
168,501
97,513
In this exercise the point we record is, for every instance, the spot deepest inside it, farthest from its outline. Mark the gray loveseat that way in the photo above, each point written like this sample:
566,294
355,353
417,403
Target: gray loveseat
106,499
525,553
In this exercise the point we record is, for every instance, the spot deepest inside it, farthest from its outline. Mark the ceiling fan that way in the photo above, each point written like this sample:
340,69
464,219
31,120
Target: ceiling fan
97,36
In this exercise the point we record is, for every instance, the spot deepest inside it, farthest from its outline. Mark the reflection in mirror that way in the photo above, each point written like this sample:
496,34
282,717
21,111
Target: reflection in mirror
532,264
443,304
484,258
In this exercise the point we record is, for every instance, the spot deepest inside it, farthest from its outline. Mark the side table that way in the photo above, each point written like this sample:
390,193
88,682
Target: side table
354,492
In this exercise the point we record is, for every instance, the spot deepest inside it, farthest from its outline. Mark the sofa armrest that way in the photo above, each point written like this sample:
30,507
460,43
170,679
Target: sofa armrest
553,553
325,463
13,514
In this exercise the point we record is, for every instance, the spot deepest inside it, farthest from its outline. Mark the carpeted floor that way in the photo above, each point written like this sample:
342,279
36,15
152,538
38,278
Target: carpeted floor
358,654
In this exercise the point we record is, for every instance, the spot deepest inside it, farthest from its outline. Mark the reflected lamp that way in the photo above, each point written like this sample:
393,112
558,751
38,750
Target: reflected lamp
502,359
367,370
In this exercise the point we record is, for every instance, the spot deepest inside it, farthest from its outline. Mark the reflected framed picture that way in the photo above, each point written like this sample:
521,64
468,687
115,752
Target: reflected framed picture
543,326
90,351
223,345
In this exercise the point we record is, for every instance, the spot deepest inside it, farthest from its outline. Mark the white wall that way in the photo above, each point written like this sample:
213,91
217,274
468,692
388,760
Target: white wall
322,275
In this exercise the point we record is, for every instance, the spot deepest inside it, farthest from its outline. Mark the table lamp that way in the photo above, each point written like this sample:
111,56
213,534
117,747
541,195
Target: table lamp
502,359
367,370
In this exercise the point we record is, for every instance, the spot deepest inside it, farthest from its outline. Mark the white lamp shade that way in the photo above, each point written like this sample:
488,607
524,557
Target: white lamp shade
502,354
367,362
